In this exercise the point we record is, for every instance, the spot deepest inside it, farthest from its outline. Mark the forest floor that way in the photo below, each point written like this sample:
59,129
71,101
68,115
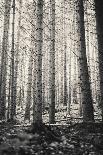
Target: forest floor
74,139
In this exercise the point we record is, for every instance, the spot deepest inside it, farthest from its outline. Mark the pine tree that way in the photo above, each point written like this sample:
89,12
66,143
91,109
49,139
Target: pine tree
16,54
3,71
87,102
30,68
37,118
52,65
13,104
65,59
65,76
29,86
99,25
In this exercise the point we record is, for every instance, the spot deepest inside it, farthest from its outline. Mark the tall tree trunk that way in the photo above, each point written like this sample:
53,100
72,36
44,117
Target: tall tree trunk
52,65
65,57
39,42
17,53
13,105
62,56
65,76
9,95
99,25
30,77
69,90
30,68
87,102
3,71
29,87
34,86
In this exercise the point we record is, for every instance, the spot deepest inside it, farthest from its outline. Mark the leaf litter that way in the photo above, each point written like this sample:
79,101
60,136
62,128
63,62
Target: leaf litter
77,139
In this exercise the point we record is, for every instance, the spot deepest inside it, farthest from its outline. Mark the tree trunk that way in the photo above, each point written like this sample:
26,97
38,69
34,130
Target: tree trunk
52,65
3,71
17,54
30,68
39,42
9,96
29,87
65,77
99,25
87,102
13,105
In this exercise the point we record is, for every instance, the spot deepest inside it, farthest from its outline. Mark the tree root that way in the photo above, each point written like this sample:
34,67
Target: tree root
45,130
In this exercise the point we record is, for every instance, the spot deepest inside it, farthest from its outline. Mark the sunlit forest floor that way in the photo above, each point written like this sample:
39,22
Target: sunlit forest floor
61,114
74,139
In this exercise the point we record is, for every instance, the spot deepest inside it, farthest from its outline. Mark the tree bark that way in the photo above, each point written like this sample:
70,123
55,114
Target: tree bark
39,42
16,54
13,104
99,26
52,65
87,102
3,71
30,68
65,76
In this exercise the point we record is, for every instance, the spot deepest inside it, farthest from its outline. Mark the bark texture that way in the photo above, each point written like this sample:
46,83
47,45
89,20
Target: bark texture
99,25
3,71
87,102
13,104
52,65
39,42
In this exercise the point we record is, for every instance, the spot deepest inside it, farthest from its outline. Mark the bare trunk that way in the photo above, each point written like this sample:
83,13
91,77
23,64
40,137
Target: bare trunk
52,65
3,71
87,102
39,42
9,96
99,20
65,77
13,104
30,68
29,86
17,54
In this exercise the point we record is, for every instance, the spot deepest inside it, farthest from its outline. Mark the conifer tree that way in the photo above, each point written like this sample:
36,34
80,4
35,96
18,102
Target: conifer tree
87,102
3,71
99,25
37,118
13,104
52,65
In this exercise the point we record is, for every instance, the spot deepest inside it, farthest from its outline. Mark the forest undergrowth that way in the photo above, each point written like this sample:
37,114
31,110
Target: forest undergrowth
76,139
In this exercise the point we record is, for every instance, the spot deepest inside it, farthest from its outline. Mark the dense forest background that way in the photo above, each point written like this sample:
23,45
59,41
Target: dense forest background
51,65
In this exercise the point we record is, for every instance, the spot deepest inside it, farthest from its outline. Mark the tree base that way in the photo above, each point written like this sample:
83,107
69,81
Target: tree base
46,131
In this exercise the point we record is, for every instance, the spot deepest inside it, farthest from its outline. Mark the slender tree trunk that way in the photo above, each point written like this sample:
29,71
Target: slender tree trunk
65,57
30,68
44,85
29,87
13,105
52,65
30,75
37,118
17,54
99,20
34,85
65,77
69,90
3,71
9,96
62,56
69,96
87,102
